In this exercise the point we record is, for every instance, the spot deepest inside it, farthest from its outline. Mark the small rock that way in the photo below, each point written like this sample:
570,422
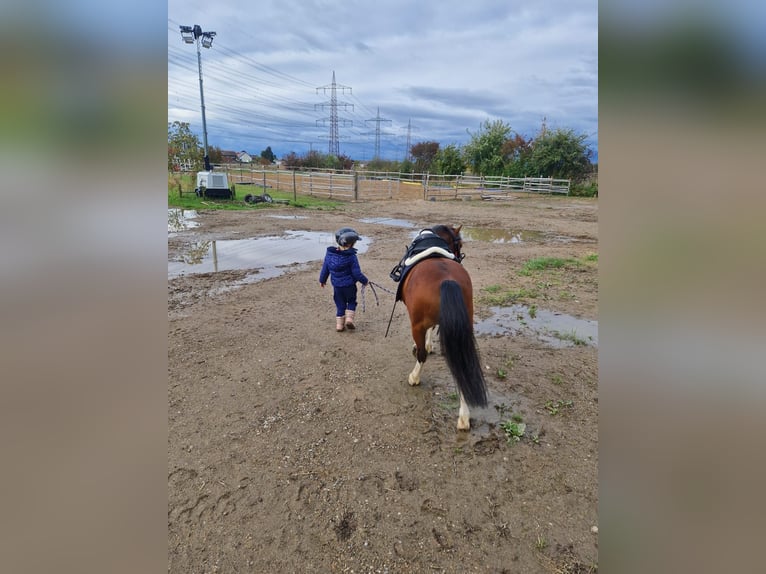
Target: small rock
594,529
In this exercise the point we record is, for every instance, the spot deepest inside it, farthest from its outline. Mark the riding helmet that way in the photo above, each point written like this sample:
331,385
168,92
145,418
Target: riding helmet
346,236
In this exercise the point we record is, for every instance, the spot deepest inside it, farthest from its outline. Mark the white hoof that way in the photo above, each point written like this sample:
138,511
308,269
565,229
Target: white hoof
463,423
413,380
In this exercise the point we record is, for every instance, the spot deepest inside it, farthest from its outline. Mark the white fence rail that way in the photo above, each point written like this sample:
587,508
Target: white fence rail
371,185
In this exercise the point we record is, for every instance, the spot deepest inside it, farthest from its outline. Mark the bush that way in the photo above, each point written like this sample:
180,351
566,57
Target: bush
584,190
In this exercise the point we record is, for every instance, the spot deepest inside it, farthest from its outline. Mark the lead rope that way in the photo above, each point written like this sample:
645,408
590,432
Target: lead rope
377,300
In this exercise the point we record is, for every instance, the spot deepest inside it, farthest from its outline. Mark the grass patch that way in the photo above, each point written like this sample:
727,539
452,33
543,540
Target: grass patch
545,263
450,402
570,336
502,296
181,195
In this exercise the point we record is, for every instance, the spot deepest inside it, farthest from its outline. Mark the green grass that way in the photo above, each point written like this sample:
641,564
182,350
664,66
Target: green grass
502,296
570,336
545,263
189,200
450,402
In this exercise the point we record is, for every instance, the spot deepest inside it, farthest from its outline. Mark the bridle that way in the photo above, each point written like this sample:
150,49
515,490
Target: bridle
457,242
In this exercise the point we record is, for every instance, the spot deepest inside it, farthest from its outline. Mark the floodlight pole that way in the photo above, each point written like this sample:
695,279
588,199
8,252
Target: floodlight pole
192,34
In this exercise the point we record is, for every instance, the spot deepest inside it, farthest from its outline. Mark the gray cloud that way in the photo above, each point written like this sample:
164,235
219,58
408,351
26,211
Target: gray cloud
445,67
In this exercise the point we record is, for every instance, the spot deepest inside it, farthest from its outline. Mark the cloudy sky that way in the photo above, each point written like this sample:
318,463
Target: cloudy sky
435,70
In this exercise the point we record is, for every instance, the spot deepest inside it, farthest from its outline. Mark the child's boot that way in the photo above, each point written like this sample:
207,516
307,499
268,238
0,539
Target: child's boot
339,326
350,319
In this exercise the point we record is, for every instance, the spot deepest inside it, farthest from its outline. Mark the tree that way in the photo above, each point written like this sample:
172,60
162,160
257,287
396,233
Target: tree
215,154
449,161
484,153
184,149
267,154
560,154
516,151
423,154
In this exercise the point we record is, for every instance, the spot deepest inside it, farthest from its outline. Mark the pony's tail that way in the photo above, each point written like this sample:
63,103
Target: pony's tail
458,345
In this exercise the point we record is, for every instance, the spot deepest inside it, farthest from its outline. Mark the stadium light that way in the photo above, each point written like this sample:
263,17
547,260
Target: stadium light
190,35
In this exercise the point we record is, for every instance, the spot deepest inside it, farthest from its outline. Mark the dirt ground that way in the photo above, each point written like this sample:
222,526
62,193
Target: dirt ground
293,448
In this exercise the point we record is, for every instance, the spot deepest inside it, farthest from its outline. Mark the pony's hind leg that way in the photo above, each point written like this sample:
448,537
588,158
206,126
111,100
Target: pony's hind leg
430,340
463,420
414,378
419,350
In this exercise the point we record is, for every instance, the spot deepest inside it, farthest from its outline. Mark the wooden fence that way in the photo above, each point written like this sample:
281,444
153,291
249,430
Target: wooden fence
372,185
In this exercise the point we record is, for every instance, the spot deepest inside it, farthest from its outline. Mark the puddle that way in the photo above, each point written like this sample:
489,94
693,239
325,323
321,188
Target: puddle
388,221
498,235
487,422
181,219
267,254
288,216
556,329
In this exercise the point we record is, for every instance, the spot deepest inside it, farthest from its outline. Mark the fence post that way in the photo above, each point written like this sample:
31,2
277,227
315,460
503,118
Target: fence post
356,185
425,187
295,196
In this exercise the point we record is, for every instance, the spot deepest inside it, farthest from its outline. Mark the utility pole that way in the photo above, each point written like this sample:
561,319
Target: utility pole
190,35
408,155
377,121
334,147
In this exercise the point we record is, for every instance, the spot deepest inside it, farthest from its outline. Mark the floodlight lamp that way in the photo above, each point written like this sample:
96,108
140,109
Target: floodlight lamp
207,39
187,33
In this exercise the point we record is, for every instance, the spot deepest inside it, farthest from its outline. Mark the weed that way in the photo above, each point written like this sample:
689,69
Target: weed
554,407
516,417
501,374
570,336
450,402
502,408
533,311
541,542
513,430
557,379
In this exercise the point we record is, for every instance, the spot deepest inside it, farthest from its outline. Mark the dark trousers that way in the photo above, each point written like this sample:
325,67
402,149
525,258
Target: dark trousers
345,298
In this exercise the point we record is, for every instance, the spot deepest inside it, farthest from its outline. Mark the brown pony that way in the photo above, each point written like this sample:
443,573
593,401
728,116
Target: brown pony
438,291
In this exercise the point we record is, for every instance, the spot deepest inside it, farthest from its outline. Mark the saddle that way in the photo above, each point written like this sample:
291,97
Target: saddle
425,246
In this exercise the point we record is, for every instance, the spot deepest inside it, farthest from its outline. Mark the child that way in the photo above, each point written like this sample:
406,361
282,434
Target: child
342,266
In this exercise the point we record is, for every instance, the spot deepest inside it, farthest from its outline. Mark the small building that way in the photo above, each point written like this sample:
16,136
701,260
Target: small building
244,157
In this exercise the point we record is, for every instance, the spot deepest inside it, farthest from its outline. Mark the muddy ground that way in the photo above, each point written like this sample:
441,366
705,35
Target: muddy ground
293,448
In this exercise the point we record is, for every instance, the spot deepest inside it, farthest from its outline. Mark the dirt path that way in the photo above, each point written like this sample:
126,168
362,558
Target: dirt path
293,448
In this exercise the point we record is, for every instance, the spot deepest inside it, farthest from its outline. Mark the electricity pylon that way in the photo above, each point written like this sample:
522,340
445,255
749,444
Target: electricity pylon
334,148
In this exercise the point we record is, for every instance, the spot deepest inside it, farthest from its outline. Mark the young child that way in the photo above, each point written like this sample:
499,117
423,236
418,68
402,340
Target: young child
342,266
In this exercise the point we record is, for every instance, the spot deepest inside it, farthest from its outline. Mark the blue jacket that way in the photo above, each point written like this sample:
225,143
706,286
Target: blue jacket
342,267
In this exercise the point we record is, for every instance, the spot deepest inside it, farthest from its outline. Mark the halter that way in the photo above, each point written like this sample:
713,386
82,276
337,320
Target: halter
455,239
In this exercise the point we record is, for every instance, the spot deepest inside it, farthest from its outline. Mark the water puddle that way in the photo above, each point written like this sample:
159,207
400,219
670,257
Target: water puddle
388,221
556,329
288,216
181,220
267,254
499,235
